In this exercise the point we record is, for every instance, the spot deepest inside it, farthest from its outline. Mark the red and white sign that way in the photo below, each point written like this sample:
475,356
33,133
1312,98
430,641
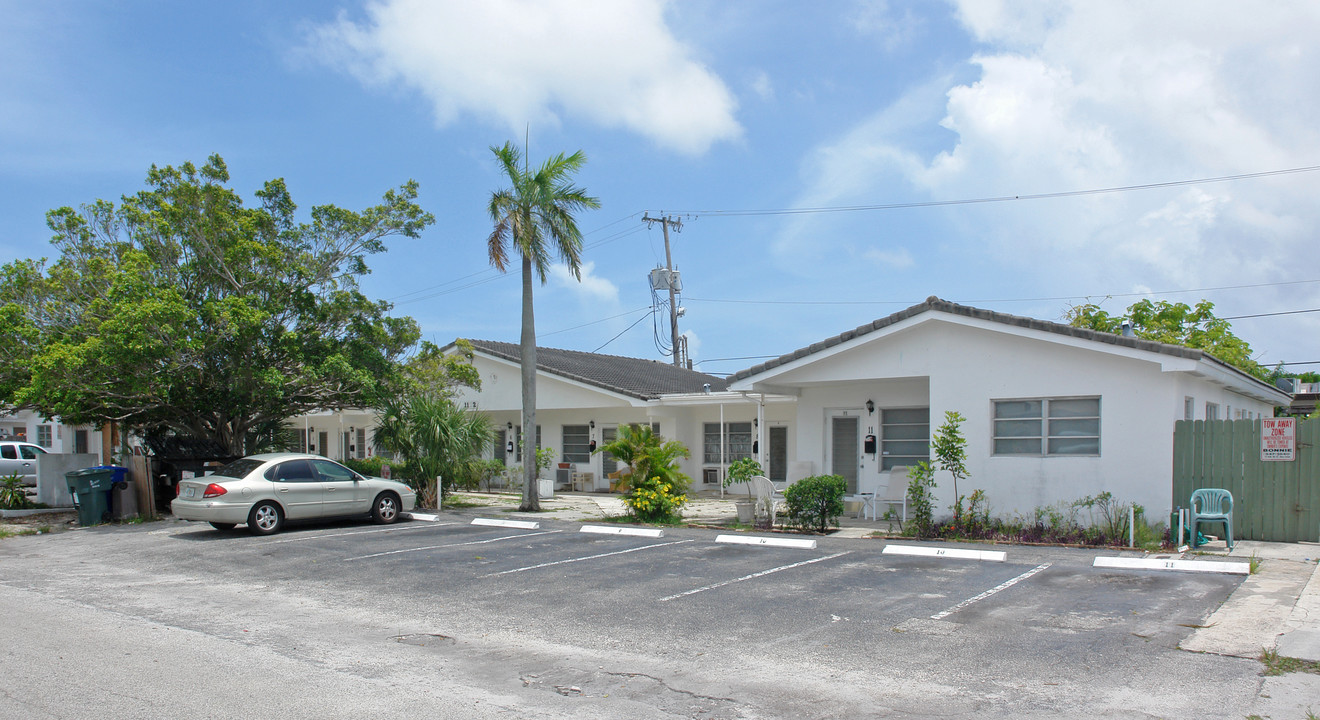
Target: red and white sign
385,471
1278,439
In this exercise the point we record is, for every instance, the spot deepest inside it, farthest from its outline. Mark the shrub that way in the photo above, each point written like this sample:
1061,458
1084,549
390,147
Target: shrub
815,503
13,496
920,499
654,500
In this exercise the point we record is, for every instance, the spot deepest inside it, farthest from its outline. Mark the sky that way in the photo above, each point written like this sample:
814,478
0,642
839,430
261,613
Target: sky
831,163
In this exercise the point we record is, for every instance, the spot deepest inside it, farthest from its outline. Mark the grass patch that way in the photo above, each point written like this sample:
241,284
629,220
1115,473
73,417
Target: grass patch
1254,562
1276,664
460,503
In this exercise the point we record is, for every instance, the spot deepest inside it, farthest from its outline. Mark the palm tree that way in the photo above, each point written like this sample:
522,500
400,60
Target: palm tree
434,436
534,216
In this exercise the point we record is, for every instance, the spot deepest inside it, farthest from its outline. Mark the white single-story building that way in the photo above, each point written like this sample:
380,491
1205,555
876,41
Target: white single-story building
582,399
53,435
1053,413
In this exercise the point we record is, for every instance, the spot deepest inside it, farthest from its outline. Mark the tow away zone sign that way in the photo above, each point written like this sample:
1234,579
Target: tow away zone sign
1278,439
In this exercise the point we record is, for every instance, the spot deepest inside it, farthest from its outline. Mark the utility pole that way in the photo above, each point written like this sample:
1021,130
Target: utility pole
680,355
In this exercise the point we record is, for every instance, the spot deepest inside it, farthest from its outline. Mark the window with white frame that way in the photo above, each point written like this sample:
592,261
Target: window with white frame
577,444
1189,408
1047,426
737,442
1211,411
43,436
904,437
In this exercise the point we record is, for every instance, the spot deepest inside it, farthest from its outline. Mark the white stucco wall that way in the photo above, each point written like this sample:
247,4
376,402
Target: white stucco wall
965,366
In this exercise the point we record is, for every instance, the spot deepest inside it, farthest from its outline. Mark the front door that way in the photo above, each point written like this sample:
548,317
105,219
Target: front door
608,463
845,449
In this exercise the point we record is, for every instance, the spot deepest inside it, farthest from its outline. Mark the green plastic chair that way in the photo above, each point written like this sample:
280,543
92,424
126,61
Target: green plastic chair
1212,505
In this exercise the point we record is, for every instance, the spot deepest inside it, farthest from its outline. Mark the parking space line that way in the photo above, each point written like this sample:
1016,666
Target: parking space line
589,557
458,544
753,576
300,538
996,589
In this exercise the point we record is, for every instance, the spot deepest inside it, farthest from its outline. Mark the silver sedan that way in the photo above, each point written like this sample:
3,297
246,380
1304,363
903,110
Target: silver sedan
264,491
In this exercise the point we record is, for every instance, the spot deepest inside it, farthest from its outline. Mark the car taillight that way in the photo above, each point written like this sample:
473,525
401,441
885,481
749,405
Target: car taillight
213,490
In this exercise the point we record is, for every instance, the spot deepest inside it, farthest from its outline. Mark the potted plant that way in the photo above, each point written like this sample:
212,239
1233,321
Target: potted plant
742,471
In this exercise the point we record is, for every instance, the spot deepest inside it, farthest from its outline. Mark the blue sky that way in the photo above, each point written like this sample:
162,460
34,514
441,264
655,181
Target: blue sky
703,109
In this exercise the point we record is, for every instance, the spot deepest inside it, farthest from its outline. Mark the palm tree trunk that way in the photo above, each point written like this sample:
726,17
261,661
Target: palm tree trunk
531,500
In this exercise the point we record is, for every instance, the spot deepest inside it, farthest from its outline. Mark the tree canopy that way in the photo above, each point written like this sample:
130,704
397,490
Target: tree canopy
1176,324
181,308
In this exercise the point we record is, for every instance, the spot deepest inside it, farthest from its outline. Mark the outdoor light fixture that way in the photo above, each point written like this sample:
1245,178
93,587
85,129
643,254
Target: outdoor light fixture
592,424
870,407
510,426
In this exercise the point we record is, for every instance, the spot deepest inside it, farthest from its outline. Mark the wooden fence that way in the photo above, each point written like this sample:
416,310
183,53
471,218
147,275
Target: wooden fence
1276,500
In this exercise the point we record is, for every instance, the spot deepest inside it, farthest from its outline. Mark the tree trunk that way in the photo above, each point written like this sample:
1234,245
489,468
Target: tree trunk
531,500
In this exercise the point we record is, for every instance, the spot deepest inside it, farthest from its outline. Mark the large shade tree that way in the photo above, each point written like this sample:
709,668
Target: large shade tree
534,217
182,309
1176,324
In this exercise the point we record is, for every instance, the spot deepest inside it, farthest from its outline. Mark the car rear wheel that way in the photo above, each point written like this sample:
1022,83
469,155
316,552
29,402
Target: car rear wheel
265,518
386,508
223,526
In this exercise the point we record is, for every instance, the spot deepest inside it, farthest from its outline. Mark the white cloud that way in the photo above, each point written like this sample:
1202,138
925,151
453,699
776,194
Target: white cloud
1082,95
615,64
896,258
763,86
592,288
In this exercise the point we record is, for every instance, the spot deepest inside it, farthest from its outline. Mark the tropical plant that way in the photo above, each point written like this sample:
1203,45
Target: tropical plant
950,450
815,503
182,309
742,471
435,437
534,213
921,499
648,455
13,496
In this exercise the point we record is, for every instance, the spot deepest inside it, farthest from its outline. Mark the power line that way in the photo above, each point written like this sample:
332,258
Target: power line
1272,314
593,322
1000,198
906,303
630,327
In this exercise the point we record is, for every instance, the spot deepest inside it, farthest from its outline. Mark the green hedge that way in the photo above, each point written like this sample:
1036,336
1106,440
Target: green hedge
816,503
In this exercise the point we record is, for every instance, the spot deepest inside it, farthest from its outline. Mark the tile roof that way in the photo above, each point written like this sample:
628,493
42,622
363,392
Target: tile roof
635,377
935,303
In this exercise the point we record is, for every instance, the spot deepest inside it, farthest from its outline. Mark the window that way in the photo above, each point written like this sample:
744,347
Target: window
8,452
904,437
1054,426
1189,408
29,452
43,436
500,451
577,444
361,443
517,439
1211,411
737,442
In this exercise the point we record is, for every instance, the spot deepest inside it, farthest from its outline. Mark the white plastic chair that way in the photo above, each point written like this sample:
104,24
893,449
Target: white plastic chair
766,496
896,492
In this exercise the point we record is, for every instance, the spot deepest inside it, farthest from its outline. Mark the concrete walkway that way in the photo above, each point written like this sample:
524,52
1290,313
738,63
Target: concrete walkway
1276,608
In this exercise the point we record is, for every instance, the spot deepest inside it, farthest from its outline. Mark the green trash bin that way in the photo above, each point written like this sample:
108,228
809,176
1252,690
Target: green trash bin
89,488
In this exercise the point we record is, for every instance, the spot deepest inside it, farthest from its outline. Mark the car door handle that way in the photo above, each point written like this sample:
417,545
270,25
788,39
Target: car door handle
284,490
330,489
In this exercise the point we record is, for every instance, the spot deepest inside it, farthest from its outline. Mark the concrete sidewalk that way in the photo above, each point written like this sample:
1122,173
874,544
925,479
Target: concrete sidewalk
1276,608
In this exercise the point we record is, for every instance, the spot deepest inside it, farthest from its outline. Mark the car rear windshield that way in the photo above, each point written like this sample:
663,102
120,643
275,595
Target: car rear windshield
240,468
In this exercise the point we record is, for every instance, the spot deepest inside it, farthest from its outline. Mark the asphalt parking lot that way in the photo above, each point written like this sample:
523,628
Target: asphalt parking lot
719,629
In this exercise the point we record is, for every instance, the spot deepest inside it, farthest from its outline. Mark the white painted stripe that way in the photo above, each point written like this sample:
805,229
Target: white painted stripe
639,532
392,528
768,541
520,524
458,544
1231,568
589,557
984,555
423,516
754,576
996,589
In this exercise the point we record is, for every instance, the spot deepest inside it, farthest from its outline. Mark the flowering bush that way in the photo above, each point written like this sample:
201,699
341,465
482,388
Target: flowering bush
654,500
